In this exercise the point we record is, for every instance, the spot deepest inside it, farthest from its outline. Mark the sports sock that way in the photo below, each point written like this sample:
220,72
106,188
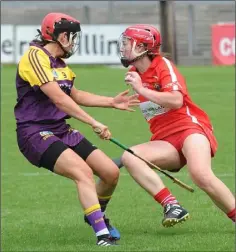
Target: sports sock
231,215
118,162
103,201
164,197
96,220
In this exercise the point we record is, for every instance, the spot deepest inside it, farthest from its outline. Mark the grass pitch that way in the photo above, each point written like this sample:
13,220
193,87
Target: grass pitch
40,211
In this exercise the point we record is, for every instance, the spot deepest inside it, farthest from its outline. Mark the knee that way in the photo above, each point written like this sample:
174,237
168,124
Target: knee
203,180
126,158
112,176
83,174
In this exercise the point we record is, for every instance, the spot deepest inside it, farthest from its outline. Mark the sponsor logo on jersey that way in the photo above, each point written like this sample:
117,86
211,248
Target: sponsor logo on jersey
46,134
151,109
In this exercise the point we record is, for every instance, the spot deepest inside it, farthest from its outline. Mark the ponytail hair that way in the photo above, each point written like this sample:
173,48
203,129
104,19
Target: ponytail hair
39,40
152,55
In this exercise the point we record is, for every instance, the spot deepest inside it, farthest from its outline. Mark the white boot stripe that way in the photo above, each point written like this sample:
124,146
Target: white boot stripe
177,212
100,242
103,243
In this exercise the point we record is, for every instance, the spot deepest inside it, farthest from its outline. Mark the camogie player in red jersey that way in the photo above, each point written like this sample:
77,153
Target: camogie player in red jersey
181,132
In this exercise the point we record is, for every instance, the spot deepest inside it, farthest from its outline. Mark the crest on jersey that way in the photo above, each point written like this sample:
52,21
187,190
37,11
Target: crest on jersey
157,86
55,74
175,86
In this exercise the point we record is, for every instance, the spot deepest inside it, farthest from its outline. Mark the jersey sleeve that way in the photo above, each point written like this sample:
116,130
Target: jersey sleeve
73,75
35,68
170,78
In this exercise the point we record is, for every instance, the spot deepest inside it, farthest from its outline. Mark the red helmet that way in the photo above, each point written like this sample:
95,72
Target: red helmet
144,34
55,23
155,34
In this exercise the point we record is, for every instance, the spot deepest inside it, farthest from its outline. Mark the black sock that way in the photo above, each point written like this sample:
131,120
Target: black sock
103,201
118,162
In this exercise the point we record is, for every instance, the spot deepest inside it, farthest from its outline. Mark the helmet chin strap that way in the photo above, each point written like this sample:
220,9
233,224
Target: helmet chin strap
66,54
126,62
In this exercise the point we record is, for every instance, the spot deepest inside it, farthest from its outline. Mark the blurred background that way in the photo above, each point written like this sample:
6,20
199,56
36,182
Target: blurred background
186,26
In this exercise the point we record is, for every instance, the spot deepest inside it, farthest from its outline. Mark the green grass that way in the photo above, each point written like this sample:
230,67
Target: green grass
40,211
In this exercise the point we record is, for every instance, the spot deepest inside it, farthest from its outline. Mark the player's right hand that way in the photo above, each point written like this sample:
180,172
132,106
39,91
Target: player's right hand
101,130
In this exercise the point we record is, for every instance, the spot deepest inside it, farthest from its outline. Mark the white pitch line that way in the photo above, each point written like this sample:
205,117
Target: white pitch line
186,175
36,174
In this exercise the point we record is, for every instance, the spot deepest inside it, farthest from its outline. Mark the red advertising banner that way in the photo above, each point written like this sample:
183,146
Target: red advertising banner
223,44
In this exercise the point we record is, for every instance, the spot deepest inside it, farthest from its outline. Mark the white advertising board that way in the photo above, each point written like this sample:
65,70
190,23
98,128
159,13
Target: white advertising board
7,44
98,43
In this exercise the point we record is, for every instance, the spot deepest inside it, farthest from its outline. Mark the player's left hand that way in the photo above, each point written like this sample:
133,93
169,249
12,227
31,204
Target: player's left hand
124,102
133,79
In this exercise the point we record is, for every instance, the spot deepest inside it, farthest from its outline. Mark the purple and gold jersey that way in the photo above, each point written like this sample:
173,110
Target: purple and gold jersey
36,68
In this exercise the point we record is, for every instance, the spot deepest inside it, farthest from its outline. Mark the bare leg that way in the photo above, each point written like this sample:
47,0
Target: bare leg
160,153
109,174
106,170
166,156
197,151
70,165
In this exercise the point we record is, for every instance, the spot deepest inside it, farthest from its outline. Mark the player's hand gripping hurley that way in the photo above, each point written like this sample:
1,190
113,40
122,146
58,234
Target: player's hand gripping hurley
153,166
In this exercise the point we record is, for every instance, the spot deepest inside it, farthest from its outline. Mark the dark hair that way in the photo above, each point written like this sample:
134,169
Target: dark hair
39,40
163,54
151,55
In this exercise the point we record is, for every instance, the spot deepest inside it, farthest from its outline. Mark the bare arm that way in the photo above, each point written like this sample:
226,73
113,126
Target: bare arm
65,103
172,100
91,100
121,101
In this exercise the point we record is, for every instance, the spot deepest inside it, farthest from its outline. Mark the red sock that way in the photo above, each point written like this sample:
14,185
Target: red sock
231,215
164,197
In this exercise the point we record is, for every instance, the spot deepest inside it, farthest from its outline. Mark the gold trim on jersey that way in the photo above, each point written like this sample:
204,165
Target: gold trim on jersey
34,61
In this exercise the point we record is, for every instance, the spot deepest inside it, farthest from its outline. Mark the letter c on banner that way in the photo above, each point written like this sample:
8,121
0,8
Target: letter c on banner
227,47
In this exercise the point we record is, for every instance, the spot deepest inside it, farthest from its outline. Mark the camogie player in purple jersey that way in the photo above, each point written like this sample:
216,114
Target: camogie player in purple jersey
46,97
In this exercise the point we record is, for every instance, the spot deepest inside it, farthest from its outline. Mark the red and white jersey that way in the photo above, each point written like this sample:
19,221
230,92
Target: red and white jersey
163,76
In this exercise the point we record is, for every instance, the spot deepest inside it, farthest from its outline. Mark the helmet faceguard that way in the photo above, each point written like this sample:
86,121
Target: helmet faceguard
134,36
56,23
73,31
127,51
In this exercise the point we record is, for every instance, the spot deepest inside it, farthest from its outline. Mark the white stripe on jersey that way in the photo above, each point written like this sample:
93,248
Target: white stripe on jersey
194,119
172,73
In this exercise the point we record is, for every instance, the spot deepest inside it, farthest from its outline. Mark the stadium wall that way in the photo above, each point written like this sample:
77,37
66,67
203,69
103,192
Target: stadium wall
193,20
